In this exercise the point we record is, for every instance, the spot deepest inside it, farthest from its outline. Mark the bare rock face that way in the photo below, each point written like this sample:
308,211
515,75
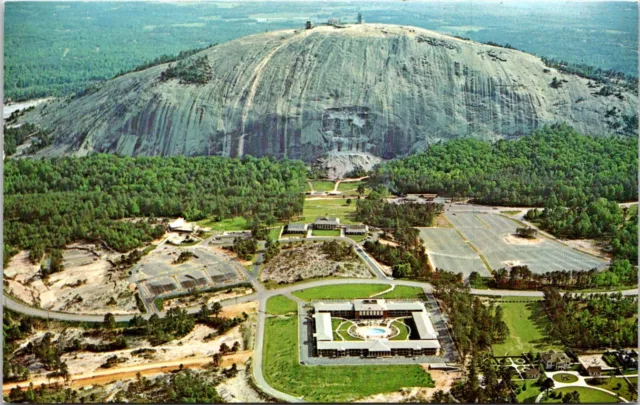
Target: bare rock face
378,90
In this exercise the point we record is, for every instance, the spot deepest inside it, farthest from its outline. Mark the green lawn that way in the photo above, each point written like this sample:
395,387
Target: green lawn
529,394
325,232
402,291
587,396
611,384
323,185
283,371
357,238
229,224
280,305
274,233
565,378
346,291
335,207
404,331
529,329
344,330
349,189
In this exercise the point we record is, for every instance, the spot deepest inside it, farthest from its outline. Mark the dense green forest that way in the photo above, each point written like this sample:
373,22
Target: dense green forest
50,203
60,48
597,321
553,164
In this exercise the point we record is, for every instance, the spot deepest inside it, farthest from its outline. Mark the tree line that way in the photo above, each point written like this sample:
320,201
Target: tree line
593,321
554,162
50,203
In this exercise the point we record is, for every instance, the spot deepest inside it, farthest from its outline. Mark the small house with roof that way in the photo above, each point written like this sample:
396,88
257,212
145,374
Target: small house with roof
329,223
553,360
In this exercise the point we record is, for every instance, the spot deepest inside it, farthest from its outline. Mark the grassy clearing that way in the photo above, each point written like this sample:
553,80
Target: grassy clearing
510,212
529,394
587,396
403,291
346,291
328,383
565,378
323,185
529,329
325,232
230,224
357,238
280,305
618,385
404,331
343,331
274,233
335,207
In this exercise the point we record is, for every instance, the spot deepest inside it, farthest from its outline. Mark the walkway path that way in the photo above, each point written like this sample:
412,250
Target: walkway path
580,383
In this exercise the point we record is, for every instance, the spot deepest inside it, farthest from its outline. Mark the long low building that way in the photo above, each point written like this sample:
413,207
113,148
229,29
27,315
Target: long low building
369,308
377,348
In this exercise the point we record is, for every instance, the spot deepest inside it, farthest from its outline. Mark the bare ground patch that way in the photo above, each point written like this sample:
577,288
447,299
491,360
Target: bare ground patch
516,240
308,261
89,284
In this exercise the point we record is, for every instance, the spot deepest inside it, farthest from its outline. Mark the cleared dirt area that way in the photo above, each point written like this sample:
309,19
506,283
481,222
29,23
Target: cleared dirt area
206,298
89,284
587,245
516,240
444,381
309,261
238,389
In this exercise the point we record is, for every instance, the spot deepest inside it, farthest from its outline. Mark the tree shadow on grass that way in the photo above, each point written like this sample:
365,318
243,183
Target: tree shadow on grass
544,326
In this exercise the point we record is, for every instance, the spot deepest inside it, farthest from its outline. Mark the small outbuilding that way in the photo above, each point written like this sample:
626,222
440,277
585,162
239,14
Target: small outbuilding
359,229
296,228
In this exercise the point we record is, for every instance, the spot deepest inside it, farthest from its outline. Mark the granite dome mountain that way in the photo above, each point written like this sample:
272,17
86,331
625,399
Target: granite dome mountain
370,91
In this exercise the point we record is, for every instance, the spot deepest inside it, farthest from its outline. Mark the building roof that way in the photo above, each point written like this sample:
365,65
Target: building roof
333,306
554,356
378,344
424,325
297,227
327,221
356,226
369,305
324,331
180,225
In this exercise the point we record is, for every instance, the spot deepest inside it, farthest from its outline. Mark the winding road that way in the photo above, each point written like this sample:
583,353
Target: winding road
262,295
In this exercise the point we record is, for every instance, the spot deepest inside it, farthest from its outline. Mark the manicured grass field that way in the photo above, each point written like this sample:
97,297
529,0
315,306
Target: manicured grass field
587,396
325,232
328,383
334,207
529,329
344,331
530,394
357,238
280,305
404,331
323,185
611,384
229,224
403,291
346,291
565,378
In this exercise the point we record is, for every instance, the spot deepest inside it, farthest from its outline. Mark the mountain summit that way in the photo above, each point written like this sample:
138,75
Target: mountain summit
378,91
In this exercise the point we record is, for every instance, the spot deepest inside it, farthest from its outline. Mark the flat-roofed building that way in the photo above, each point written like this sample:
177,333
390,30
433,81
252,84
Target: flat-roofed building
323,330
180,226
296,228
377,348
326,223
359,229
424,326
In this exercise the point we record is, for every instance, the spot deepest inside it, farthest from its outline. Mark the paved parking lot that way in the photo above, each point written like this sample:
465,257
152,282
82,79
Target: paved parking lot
487,232
447,250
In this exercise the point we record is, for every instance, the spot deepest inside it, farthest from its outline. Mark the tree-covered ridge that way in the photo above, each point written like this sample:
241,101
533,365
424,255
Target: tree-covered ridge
554,162
50,203
192,71
605,76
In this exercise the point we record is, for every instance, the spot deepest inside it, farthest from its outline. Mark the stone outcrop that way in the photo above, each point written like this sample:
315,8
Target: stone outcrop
368,89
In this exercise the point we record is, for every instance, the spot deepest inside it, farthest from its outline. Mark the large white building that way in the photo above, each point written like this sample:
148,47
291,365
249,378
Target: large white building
327,346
